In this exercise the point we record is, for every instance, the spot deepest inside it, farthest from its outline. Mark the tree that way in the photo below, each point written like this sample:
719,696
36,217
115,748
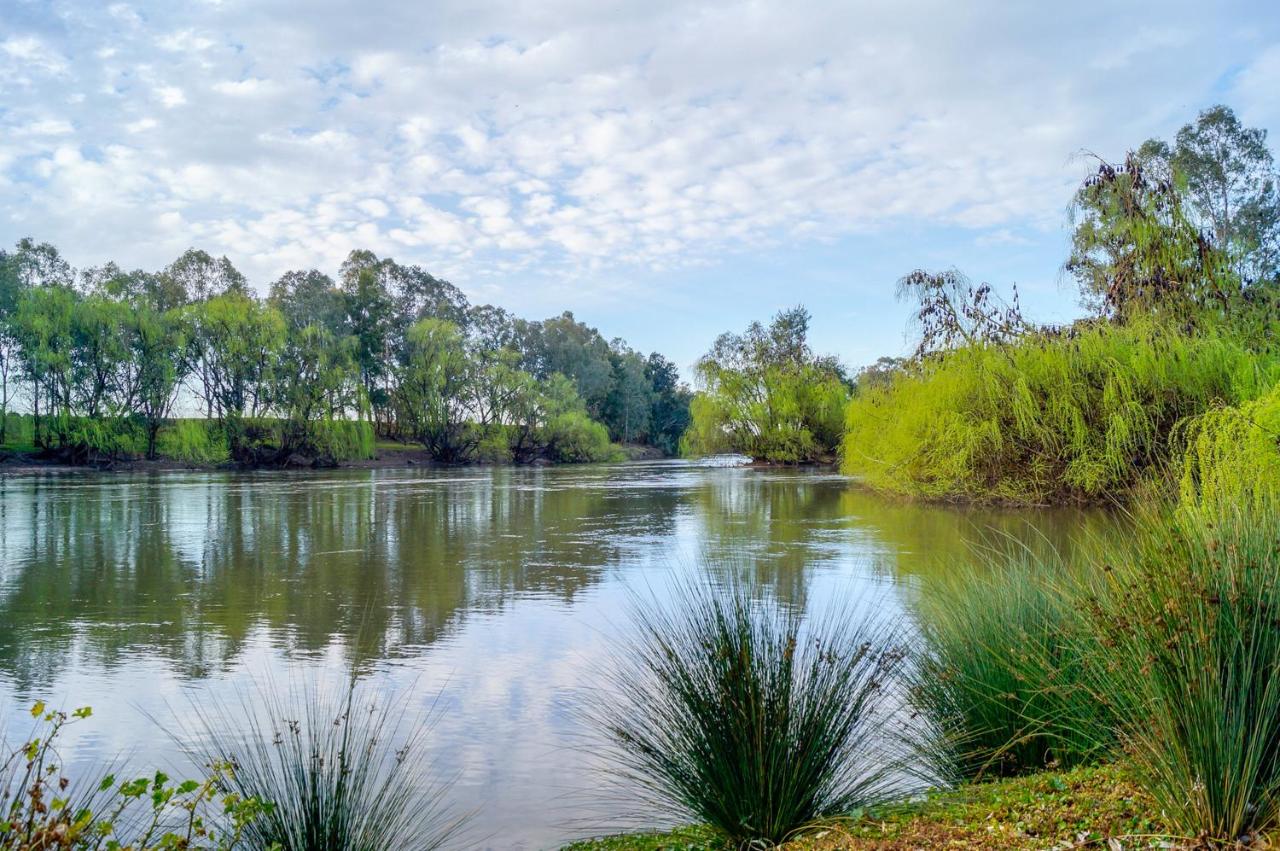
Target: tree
43,324
157,342
11,290
950,311
1229,177
1137,252
310,298
669,415
370,320
316,381
630,398
240,339
431,397
199,276
765,393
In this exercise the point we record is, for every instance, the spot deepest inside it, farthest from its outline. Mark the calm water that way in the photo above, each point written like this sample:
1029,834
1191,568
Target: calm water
493,592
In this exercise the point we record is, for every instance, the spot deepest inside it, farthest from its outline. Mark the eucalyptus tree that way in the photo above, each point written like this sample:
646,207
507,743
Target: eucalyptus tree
158,341
316,381
669,414
431,394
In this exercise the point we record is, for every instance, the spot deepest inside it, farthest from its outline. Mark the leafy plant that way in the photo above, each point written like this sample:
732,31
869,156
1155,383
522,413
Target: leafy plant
739,715
41,809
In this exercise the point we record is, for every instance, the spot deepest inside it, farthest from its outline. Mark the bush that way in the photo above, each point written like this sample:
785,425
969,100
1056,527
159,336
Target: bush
729,713
576,438
19,432
1188,628
41,809
342,771
1004,675
1052,418
193,442
341,440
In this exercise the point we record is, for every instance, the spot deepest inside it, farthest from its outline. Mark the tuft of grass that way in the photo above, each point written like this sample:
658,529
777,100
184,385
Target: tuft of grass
1188,629
1003,674
1051,418
343,771
738,714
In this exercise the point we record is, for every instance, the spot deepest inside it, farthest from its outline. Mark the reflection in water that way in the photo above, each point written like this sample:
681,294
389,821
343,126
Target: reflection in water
487,589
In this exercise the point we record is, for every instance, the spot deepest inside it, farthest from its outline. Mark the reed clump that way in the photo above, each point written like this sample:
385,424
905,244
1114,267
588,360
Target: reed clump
732,712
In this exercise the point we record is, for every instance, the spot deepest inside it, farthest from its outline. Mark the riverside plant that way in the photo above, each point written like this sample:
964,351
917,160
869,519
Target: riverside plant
345,771
1188,638
740,715
1003,675
41,809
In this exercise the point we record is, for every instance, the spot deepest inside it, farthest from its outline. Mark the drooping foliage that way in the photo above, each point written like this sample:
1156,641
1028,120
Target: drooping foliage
764,393
1057,417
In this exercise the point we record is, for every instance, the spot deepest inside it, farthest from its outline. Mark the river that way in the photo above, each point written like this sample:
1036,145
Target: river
494,596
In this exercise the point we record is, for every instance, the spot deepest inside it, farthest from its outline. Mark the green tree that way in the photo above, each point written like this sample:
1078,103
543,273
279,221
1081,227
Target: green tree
317,382
669,416
1228,175
240,339
432,393
310,298
764,393
630,400
43,324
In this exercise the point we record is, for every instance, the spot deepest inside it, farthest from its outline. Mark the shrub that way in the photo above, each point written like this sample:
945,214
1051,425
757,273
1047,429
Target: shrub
342,440
194,442
1051,418
1188,628
19,432
343,772
41,809
1003,676
731,713
576,438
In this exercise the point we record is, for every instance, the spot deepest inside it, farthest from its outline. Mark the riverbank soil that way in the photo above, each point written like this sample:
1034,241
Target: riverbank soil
1092,807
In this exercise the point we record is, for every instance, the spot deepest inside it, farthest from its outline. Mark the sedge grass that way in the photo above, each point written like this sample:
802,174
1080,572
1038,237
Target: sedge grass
740,715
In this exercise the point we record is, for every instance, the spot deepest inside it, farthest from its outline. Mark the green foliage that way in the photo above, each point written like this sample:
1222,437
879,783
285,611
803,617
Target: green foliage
1186,623
730,713
343,771
19,432
41,809
1053,418
766,395
193,442
573,437
1003,674
1231,455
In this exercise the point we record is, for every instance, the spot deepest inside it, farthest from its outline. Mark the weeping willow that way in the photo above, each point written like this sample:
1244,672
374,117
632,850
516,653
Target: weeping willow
1052,418
1231,455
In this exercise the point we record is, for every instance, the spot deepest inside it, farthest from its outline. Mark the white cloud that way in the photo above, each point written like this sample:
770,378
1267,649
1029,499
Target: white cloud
486,142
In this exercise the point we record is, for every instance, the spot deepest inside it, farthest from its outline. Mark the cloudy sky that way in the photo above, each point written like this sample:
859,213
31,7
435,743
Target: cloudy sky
665,170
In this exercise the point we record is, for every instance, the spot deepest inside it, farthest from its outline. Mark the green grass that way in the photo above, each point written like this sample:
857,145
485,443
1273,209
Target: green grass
1069,418
1004,672
343,770
737,714
1188,627
1051,810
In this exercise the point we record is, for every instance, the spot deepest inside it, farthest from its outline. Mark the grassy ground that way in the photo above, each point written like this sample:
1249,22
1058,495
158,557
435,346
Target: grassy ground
1088,807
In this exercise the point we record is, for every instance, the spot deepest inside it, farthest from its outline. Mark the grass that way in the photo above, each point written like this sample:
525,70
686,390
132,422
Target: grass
1083,807
1052,418
1003,672
1188,626
729,713
343,771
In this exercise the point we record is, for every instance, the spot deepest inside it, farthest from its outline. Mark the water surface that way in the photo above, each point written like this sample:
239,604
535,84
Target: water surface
492,594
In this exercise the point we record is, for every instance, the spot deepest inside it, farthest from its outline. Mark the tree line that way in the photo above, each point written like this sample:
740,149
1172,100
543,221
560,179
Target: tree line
1183,234
103,357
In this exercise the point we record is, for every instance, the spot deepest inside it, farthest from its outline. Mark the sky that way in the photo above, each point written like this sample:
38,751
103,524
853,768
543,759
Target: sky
667,171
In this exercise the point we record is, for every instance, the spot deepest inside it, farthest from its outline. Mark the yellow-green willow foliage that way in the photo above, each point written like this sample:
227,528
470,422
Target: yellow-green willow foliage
1053,418
1232,455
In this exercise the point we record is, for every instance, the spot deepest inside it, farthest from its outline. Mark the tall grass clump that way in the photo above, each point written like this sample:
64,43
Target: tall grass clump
1071,417
1003,674
740,715
193,442
1188,628
343,771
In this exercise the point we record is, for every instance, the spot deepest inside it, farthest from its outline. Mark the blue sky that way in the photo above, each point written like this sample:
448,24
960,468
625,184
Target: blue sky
665,170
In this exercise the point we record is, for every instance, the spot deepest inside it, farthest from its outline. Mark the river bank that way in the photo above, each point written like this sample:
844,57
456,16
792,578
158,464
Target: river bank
1086,807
